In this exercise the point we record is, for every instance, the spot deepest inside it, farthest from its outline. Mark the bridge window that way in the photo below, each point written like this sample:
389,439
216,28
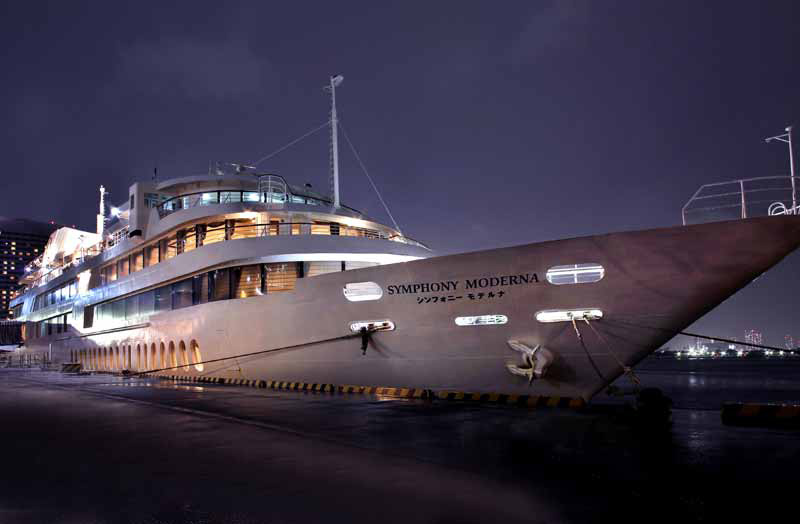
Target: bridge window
481,320
575,274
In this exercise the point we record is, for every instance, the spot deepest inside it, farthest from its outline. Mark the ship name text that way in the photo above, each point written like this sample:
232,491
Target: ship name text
454,285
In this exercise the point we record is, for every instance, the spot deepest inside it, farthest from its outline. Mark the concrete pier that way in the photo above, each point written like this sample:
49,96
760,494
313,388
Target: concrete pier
101,448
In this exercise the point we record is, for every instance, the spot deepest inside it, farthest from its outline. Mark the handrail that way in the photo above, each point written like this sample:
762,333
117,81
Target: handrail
741,197
287,229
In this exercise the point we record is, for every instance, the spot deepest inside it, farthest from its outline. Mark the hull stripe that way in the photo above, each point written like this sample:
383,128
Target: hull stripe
786,412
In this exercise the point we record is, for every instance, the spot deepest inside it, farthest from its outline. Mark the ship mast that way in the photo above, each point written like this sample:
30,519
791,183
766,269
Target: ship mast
101,216
335,81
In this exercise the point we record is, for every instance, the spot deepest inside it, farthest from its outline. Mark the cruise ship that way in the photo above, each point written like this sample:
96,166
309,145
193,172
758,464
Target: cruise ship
240,275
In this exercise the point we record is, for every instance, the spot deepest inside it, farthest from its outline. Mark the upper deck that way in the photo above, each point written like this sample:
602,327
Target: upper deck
161,221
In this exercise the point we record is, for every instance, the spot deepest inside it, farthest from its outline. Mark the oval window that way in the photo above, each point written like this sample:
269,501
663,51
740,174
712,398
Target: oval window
360,291
568,315
481,320
372,325
575,274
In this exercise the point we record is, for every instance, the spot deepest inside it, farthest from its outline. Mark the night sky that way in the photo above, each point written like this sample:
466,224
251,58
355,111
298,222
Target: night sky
484,124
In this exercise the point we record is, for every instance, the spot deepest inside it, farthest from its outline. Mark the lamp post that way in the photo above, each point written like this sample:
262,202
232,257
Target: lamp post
787,138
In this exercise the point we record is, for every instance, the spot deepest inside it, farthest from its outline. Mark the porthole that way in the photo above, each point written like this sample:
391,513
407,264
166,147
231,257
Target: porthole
361,291
184,356
173,360
575,274
372,325
568,315
195,353
481,320
153,356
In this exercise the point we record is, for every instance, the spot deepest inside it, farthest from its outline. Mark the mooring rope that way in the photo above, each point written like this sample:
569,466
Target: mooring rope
586,350
254,353
627,370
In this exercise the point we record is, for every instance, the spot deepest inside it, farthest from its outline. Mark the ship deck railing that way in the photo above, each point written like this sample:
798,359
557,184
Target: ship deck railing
231,231
743,198
36,275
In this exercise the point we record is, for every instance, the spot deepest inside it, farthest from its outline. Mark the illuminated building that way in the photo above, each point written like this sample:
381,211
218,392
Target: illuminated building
752,336
21,241
788,342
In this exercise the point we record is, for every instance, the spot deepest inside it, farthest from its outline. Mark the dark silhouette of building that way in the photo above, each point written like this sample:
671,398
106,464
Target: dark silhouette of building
21,241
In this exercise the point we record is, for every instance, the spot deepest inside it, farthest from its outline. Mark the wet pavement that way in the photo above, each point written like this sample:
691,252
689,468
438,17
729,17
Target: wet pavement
100,448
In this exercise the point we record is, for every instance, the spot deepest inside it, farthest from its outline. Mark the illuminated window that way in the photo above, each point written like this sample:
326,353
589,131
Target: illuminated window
360,291
280,277
320,229
372,325
575,274
481,320
567,315
313,269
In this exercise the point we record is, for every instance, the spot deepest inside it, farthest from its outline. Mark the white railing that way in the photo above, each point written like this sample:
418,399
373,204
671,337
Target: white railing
744,198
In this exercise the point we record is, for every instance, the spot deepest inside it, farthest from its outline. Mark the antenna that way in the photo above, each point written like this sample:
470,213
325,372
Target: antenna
335,81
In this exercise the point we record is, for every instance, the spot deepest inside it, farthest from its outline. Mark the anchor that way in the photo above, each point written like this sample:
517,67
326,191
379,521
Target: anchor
535,361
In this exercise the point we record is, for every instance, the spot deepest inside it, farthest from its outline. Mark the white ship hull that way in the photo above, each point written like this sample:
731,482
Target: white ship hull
656,283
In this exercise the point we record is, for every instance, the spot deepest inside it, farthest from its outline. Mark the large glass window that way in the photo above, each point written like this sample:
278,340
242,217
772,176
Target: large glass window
214,233
244,228
313,269
251,196
111,273
320,229
138,261
219,281
281,277
189,239
147,302
210,198
170,247
131,307
182,294
151,252
200,289
229,197
247,281
123,267
163,299
117,311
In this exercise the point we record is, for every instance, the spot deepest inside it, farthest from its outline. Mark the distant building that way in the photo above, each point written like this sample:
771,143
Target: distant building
788,342
21,241
752,336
